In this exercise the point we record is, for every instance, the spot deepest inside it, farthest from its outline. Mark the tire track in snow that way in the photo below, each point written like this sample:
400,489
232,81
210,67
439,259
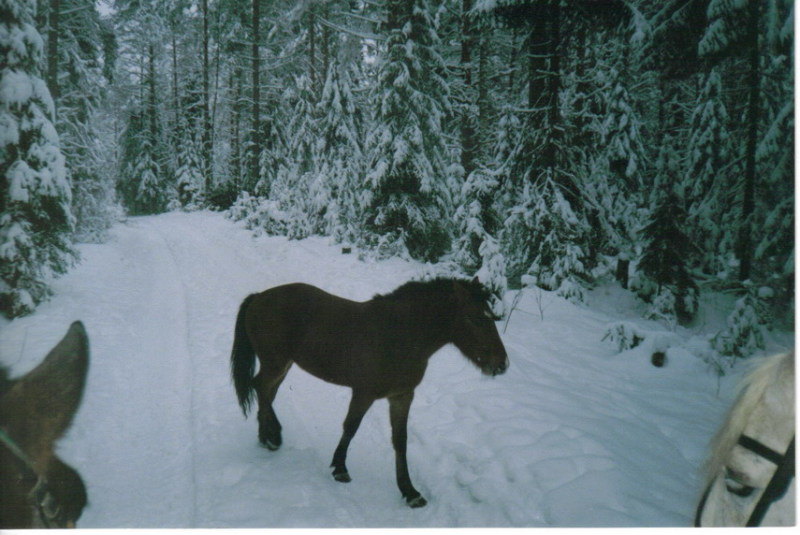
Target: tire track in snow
185,328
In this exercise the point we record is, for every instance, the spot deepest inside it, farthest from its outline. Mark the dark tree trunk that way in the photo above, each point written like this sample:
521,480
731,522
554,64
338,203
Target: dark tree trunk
175,99
312,50
744,244
206,107
468,142
236,155
256,125
553,85
52,50
152,108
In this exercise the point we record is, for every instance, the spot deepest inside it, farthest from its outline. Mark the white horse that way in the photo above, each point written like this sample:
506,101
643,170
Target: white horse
751,467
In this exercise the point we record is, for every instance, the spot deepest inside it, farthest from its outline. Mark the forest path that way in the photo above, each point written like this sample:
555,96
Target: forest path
572,435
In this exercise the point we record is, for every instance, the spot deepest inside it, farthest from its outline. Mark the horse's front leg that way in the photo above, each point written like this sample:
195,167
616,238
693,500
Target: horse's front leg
398,414
359,404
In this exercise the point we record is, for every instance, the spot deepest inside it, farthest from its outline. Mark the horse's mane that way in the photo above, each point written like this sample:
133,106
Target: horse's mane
765,373
437,286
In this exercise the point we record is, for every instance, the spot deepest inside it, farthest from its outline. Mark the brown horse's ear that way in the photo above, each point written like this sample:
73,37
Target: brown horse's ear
40,406
475,280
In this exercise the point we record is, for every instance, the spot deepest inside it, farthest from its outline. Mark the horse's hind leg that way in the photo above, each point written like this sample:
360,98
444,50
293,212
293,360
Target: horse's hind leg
266,383
359,404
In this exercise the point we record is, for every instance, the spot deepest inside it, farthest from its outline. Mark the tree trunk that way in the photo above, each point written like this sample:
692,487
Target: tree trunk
206,104
176,101
52,50
553,85
152,108
468,142
744,245
254,132
236,155
312,50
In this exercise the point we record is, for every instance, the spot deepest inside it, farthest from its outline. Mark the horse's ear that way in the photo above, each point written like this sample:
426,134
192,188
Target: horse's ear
475,280
40,406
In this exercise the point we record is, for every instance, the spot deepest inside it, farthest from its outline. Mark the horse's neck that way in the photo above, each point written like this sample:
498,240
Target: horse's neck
420,327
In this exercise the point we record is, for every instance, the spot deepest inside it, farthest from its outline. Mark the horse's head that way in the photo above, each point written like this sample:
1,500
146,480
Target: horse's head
39,490
474,331
752,462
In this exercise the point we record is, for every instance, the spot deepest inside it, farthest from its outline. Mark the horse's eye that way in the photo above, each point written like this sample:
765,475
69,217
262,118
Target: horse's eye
734,482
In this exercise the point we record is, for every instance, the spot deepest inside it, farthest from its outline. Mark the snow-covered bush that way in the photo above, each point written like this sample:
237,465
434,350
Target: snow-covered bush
546,233
624,335
259,214
744,332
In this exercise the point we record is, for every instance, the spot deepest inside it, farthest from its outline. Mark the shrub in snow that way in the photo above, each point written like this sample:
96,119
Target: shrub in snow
744,333
624,335
259,214
545,233
35,217
665,281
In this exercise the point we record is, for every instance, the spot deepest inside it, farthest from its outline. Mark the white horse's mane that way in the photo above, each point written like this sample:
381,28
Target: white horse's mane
765,373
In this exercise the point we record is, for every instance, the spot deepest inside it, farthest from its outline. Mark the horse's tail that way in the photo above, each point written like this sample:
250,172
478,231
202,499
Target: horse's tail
243,359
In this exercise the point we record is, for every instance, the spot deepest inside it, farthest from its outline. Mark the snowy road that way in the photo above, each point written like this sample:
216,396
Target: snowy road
572,435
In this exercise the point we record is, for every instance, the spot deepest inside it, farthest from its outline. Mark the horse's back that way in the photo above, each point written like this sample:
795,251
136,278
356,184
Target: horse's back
302,323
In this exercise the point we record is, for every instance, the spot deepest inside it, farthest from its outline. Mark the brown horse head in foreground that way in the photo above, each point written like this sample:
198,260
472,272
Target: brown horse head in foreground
38,489
379,348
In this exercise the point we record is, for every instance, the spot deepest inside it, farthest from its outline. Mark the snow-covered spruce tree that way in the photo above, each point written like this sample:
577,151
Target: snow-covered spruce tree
35,217
477,250
774,216
664,279
341,158
708,163
79,43
546,236
140,184
744,333
189,180
406,191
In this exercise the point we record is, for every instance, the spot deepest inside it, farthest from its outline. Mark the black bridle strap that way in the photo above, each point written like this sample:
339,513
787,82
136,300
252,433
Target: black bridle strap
761,450
39,495
776,488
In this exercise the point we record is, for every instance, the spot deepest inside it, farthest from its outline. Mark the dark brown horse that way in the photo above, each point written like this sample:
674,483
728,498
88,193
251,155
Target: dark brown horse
38,489
379,348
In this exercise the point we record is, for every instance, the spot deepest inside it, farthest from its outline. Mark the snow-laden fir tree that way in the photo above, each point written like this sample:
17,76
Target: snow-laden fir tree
79,45
664,279
189,180
708,165
774,214
406,192
341,159
35,217
743,334
140,183
546,236
476,248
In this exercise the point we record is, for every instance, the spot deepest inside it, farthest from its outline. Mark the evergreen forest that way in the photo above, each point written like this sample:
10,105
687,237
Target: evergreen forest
550,144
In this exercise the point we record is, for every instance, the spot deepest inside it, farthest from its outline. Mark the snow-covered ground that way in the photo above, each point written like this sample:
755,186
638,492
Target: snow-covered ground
574,434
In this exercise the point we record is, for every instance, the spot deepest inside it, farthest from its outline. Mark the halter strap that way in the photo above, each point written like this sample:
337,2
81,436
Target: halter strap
776,488
761,450
40,496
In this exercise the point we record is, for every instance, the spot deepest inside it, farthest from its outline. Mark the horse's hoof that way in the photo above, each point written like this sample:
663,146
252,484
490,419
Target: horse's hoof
271,446
342,477
416,501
